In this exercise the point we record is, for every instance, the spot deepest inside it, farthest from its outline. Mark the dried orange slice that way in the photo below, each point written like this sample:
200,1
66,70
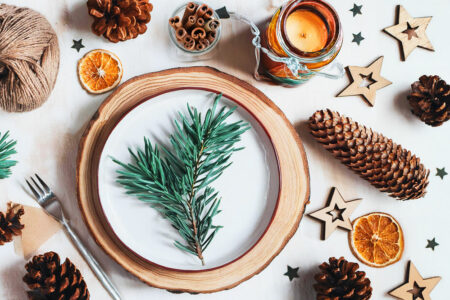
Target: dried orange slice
377,239
99,71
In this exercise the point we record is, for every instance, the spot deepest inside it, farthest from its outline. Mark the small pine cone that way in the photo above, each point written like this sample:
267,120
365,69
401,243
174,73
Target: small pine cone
10,223
430,100
386,165
49,280
340,280
119,20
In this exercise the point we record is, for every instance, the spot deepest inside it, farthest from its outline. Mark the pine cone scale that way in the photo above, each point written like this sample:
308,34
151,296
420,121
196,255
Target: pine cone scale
96,13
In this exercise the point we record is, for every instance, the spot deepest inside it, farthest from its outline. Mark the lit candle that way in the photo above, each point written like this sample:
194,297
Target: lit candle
306,31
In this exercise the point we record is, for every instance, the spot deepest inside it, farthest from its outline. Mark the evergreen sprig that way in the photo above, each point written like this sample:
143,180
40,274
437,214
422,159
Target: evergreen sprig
177,181
6,150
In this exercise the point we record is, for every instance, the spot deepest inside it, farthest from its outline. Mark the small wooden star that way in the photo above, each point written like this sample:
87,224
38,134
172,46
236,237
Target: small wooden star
356,10
416,287
441,172
359,76
78,44
336,213
411,32
432,244
357,38
291,273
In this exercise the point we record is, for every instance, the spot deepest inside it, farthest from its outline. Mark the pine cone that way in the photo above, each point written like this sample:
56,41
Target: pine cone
386,165
49,280
340,280
430,100
10,223
120,20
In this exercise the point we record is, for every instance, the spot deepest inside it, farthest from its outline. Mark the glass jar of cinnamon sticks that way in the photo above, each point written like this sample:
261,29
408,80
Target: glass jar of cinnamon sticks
195,29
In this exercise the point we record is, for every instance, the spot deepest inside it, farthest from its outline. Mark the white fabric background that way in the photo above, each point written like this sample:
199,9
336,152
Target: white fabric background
48,140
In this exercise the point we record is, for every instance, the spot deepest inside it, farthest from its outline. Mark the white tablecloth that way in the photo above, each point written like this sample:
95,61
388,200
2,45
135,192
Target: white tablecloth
48,139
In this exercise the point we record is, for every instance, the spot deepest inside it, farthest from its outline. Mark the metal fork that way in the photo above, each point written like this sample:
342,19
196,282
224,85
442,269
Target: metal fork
49,202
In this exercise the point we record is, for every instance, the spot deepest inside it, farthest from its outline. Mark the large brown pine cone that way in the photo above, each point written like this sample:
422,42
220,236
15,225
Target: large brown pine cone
49,280
340,280
374,157
430,100
10,223
120,20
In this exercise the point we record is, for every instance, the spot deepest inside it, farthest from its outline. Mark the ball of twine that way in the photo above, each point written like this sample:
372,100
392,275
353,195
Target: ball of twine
29,58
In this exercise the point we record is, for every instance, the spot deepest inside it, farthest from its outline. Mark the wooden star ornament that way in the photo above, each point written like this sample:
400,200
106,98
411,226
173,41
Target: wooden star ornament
336,213
366,81
411,32
416,287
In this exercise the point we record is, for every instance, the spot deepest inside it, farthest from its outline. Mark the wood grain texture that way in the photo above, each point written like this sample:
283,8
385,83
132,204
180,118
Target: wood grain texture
410,32
342,216
416,286
359,74
293,169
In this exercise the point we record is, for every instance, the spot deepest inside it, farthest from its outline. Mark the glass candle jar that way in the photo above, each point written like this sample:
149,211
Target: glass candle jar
308,31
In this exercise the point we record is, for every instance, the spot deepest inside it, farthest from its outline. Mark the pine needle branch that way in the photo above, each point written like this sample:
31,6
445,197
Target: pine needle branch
6,150
177,180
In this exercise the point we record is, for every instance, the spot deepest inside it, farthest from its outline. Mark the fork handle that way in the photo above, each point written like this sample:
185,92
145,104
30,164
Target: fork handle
92,262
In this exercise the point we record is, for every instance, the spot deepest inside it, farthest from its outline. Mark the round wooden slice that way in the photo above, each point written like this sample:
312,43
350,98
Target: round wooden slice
292,165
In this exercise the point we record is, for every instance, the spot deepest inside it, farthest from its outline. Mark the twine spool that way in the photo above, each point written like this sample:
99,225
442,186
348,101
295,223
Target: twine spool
29,58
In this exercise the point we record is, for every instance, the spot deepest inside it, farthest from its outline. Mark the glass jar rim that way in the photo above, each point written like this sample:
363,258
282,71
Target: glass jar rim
174,40
333,45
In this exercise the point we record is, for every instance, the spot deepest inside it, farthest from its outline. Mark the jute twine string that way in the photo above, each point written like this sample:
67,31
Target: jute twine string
29,58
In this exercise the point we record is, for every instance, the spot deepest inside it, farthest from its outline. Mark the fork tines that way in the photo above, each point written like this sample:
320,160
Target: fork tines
41,189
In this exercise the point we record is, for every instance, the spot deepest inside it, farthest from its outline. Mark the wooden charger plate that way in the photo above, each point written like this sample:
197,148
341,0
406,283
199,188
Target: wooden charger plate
292,168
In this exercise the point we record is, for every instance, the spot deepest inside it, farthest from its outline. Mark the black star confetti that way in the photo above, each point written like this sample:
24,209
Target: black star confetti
432,243
356,10
78,44
223,13
357,38
291,273
441,172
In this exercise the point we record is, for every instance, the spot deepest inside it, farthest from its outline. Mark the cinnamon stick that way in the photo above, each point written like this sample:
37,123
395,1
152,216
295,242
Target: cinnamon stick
189,43
189,11
175,22
180,33
212,25
211,36
198,33
199,47
202,10
205,42
208,14
200,22
190,22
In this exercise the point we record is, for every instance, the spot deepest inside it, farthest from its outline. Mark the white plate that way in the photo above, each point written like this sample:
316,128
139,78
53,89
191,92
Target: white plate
249,187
